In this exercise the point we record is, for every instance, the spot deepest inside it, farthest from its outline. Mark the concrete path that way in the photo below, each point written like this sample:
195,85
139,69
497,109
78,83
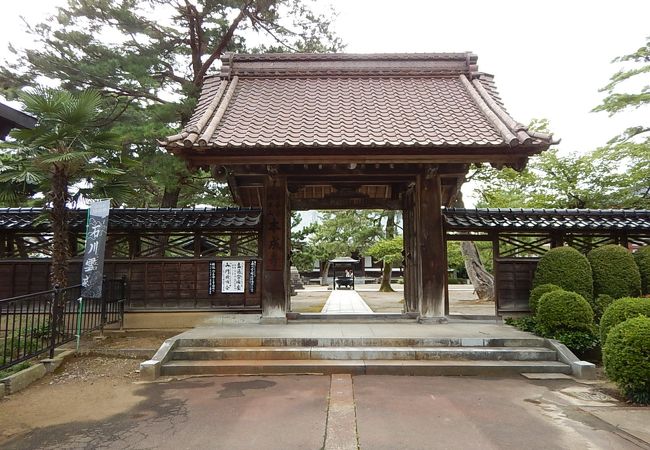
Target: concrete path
366,412
345,302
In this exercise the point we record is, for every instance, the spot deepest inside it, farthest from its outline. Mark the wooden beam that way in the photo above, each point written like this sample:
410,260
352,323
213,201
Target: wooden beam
305,204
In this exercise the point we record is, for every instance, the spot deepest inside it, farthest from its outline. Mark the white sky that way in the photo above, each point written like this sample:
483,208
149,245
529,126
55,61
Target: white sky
549,58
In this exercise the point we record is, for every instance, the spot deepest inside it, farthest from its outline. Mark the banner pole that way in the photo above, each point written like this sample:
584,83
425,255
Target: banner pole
79,315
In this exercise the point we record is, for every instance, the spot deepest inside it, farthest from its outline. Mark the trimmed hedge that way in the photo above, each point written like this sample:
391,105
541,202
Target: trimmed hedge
621,310
537,292
642,260
564,311
614,272
627,358
565,267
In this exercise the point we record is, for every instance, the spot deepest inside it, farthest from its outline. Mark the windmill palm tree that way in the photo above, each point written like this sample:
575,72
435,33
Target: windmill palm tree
66,147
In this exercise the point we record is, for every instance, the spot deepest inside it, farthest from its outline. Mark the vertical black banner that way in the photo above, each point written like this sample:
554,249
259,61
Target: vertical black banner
92,269
212,277
252,276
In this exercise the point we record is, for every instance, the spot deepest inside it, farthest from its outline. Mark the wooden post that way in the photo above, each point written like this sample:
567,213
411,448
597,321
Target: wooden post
431,243
275,251
410,254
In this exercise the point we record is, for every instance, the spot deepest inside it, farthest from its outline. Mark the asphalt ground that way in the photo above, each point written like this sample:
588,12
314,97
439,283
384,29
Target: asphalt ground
367,412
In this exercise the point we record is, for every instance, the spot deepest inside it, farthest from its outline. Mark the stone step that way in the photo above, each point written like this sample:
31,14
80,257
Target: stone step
360,342
365,353
362,367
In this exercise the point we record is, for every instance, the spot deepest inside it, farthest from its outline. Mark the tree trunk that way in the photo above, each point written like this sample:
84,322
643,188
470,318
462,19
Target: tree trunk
60,245
323,274
170,198
387,267
481,279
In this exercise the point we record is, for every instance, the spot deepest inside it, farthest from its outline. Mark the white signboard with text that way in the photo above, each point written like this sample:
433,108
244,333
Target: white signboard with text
232,277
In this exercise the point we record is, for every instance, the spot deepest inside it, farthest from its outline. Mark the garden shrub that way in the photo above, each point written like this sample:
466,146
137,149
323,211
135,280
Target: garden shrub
601,303
567,317
537,292
565,267
642,260
627,358
614,272
563,310
621,310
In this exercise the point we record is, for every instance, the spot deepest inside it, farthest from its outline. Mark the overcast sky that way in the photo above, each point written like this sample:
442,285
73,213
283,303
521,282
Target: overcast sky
549,61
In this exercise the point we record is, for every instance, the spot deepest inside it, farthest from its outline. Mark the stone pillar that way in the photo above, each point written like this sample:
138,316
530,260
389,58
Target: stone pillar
431,247
275,251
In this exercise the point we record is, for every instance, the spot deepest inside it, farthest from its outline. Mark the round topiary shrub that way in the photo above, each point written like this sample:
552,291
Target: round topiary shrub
565,267
537,292
614,271
621,310
627,358
642,260
562,310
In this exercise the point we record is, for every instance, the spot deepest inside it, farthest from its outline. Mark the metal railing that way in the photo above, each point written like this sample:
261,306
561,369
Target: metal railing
37,323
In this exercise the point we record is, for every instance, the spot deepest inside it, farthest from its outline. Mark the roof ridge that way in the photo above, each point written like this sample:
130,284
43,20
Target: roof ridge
501,127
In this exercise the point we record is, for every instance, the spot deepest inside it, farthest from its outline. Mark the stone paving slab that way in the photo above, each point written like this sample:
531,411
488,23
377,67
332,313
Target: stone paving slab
635,421
345,302
325,330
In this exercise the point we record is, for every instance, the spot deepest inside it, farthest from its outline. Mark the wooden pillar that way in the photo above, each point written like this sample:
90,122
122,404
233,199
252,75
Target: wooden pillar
275,250
431,242
410,254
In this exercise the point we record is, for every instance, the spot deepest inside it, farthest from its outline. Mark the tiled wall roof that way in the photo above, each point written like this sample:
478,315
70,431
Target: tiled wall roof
145,219
548,220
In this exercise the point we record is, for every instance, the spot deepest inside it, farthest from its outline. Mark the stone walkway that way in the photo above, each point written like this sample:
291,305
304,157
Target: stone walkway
345,302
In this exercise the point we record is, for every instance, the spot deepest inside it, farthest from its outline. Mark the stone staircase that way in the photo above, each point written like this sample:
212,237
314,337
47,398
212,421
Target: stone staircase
358,356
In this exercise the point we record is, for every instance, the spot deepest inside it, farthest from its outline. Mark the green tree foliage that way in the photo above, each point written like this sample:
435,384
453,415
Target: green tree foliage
64,148
621,310
148,59
565,267
642,260
626,355
343,233
614,272
600,179
387,250
302,255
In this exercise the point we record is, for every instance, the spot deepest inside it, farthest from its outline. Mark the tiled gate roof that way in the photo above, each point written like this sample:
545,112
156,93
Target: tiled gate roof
352,100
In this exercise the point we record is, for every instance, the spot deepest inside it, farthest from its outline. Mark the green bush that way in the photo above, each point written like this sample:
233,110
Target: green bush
526,323
564,311
614,272
537,292
627,358
601,303
565,267
621,310
642,260
578,341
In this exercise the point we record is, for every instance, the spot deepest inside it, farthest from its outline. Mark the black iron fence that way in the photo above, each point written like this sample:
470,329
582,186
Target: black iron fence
34,324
